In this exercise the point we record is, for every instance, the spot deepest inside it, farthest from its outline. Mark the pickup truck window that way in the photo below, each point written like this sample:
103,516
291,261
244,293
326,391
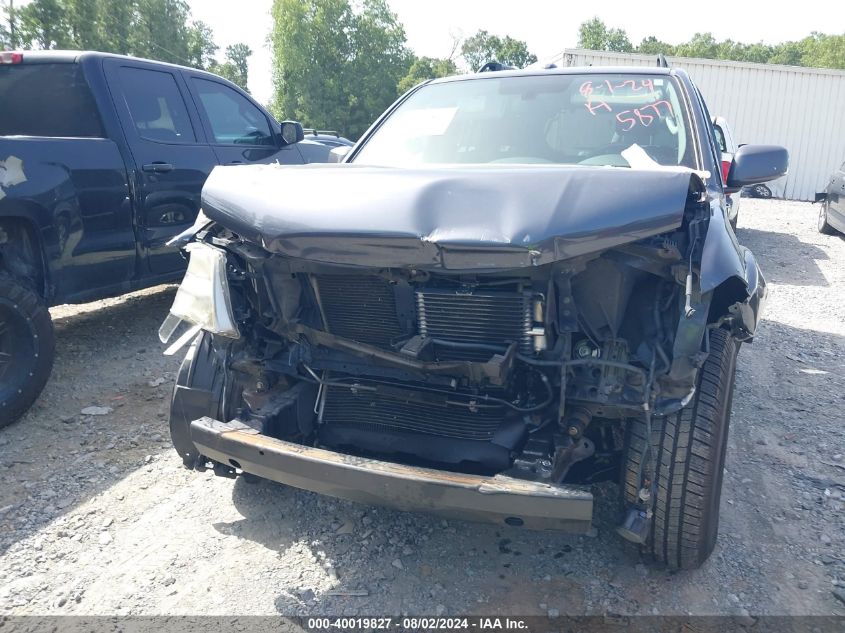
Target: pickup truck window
156,105
47,100
233,119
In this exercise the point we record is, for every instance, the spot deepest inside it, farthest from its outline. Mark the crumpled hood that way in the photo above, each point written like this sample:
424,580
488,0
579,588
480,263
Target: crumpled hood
455,217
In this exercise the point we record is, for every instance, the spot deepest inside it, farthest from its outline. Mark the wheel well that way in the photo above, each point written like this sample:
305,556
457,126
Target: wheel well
726,294
21,254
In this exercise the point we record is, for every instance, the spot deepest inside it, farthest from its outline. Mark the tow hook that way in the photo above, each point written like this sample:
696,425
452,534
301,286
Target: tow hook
222,470
637,523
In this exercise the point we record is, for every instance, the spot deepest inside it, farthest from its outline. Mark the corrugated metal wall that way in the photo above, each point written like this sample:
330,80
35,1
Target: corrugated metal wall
802,109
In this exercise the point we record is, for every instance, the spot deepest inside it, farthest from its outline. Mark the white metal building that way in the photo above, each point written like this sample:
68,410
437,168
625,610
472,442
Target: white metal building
802,109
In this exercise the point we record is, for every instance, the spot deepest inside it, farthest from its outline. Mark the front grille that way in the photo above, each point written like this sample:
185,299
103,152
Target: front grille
360,307
486,317
374,412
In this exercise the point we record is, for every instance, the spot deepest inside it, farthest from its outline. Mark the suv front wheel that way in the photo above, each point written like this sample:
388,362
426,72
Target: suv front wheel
689,448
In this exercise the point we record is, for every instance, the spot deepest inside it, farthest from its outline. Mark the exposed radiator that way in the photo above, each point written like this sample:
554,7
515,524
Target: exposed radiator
364,308
488,317
369,411
360,307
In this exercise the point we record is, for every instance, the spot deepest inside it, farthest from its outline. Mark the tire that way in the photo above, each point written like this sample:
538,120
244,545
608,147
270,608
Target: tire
762,191
27,348
689,447
734,222
204,387
823,227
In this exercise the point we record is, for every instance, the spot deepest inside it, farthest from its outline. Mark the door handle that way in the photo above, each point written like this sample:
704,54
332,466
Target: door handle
158,167
235,162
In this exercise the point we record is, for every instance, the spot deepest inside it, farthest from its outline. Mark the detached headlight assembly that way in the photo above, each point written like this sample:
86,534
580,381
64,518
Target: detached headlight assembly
203,298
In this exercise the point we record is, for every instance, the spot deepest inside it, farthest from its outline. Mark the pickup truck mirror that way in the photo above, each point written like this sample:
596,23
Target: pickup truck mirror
339,153
292,132
753,164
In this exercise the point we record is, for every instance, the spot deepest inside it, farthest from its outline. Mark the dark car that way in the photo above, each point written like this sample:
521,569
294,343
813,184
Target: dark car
832,211
102,160
518,284
330,138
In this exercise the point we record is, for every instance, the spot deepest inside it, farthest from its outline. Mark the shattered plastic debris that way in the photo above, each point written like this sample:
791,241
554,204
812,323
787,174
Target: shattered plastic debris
11,173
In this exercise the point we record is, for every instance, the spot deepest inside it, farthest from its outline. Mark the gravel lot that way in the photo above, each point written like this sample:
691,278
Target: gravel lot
97,516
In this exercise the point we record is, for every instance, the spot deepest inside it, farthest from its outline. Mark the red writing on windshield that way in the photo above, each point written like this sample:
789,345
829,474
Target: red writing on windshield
595,95
630,118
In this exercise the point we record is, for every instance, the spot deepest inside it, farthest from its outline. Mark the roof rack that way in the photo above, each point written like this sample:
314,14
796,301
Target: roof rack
314,132
661,61
492,67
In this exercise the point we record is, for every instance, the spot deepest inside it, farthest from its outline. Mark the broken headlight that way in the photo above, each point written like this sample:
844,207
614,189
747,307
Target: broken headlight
203,298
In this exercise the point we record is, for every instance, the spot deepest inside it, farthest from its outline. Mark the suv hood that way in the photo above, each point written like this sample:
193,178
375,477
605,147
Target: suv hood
447,217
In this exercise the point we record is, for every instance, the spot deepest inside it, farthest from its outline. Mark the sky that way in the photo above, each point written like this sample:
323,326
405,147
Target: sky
548,26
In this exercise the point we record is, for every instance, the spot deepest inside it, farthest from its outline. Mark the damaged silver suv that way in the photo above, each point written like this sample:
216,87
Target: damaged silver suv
515,285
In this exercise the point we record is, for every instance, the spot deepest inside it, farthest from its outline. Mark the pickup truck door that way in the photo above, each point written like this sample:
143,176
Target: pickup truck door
172,156
239,130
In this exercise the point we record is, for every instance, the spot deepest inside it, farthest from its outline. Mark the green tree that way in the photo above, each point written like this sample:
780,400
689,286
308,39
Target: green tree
484,47
594,35
335,67
787,53
5,32
236,66
43,24
157,29
816,50
425,68
823,51
653,46
701,45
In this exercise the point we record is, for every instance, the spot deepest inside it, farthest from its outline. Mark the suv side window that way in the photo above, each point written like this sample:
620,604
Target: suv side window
709,140
233,119
156,105
47,100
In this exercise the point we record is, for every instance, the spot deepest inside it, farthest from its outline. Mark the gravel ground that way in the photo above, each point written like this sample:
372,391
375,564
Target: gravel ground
98,517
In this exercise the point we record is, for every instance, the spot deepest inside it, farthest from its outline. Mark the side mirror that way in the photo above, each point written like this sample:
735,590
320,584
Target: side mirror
292,132
753,164
339,153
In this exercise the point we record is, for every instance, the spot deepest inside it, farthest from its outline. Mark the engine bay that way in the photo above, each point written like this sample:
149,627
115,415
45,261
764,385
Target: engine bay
527,371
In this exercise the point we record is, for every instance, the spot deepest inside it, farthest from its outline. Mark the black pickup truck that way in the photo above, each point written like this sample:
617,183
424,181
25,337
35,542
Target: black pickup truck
102,160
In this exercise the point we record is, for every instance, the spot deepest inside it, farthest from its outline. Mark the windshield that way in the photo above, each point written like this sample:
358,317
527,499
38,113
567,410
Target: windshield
587,119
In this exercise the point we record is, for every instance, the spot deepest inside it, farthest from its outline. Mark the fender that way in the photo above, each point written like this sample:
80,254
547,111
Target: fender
731,272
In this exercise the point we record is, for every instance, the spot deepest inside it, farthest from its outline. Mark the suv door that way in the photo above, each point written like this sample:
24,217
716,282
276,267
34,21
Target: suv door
172,157
239,131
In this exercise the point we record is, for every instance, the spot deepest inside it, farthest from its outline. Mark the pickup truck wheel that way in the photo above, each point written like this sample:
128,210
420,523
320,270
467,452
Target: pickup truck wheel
27,348
204,387
823,226
689,447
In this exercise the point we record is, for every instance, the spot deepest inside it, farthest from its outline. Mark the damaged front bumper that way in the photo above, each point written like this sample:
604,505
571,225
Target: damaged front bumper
497,499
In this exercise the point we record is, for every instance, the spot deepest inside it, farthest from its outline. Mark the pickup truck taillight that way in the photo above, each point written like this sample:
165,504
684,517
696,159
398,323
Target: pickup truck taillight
10,57
726,169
